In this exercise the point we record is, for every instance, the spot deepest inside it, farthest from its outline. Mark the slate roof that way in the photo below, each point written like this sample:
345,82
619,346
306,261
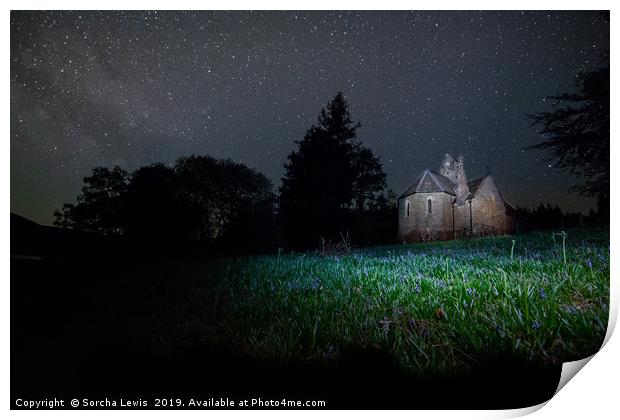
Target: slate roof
474,185
430,181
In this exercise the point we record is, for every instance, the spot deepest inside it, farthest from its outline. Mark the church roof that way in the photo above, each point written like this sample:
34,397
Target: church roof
474,185
430,181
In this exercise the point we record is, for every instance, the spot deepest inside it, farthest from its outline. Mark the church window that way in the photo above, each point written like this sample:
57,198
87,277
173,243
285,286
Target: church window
429,205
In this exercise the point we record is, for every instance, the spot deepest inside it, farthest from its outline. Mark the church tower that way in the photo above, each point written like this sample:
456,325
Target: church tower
461,188
448,167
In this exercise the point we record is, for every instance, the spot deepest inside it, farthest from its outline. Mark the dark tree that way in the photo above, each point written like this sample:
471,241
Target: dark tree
576,133
227,195
327,178
369,179
153,208
379,222
216,202
99,207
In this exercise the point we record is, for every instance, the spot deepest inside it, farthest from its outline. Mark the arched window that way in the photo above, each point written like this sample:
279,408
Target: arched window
407,208
429,206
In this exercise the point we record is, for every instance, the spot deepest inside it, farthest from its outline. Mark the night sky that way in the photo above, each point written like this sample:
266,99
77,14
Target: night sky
134,88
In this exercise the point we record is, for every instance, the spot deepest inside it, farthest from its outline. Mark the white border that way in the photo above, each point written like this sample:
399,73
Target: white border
592,394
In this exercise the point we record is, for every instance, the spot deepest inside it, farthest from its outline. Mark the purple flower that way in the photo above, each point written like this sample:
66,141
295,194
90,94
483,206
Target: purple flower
417,288
543,295
570,309
589,263
331,352
500,331
470,291
536,325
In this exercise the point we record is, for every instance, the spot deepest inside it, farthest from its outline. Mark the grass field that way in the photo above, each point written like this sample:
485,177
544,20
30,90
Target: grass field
435,308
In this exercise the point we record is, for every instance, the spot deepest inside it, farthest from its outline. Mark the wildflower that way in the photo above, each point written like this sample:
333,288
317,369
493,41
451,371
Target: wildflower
417,288
589,263
571,309
495,291
330,352
470,291
385,325
536,325
315,283
543,295
500,331
441,284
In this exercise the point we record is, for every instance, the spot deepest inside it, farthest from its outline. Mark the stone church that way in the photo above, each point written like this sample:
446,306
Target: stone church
445,205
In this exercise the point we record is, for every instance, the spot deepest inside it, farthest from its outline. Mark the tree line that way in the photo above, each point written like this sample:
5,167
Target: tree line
545,216
333,188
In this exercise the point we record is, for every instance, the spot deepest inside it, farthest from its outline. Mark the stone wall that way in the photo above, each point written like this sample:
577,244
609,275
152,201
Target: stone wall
419,224
461,220
489,211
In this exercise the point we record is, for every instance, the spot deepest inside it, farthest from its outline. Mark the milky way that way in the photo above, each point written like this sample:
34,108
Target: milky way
133,88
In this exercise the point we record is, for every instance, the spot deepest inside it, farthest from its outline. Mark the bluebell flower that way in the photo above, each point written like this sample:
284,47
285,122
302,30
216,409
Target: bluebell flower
589,263
543,295
331,352
417,288
536,325
500,331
